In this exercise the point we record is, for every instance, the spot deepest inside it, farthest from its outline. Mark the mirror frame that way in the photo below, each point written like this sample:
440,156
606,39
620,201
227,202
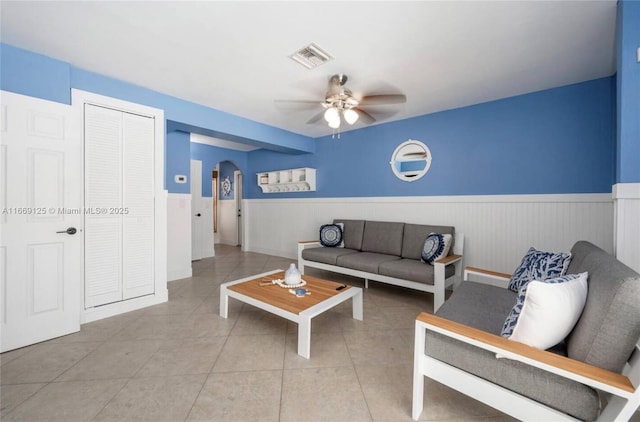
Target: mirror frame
400,175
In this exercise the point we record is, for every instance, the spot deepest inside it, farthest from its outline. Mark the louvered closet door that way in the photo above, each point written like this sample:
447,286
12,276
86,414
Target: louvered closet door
119,199
103,192
137,203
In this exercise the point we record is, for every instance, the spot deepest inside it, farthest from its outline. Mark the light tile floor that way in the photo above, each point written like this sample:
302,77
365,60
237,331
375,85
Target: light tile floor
180,361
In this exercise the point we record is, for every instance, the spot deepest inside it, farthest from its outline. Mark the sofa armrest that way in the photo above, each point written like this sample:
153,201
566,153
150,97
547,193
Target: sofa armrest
448,259
493,278
584,373
439,278
302,245
308,242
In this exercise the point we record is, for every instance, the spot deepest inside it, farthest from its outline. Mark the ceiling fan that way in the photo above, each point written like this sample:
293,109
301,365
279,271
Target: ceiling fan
341,105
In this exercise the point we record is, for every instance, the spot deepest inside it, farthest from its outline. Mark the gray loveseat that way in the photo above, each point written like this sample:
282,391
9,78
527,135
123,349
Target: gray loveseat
458,347
387,252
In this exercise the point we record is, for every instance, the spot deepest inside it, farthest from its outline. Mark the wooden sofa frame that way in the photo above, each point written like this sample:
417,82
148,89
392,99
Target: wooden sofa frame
623,388
440,283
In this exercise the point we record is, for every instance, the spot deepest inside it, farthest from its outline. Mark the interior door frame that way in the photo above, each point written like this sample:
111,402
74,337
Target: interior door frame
195,175
78,99
237,194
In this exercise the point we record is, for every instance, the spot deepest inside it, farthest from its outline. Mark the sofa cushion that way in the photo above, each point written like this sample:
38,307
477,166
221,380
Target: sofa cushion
411,269
365,261
383,237
469,305
352,233
326,255
415,235
609,326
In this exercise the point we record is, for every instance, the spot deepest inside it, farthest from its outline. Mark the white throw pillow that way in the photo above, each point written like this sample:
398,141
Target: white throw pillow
550,310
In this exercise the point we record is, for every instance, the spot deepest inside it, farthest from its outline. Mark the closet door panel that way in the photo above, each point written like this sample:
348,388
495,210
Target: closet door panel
137,272
138,208
103,261
103,194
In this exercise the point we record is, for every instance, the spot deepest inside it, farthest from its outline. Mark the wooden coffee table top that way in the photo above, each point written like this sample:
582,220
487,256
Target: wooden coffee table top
280,297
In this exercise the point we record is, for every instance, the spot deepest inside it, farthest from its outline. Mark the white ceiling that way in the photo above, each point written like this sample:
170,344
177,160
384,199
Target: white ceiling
233,56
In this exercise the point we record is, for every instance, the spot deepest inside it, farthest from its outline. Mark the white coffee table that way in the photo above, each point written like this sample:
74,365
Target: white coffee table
278,301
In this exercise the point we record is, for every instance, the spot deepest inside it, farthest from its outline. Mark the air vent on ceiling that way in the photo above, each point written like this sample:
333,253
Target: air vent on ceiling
311,56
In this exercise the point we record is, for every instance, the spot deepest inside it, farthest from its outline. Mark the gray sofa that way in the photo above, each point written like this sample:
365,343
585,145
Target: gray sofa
387,252
604,338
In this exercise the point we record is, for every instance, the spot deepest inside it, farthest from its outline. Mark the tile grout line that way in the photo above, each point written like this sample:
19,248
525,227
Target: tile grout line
353,364
210,373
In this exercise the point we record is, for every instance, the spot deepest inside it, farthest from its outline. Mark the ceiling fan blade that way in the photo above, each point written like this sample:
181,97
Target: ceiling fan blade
383,99
298,104
316,118
364,116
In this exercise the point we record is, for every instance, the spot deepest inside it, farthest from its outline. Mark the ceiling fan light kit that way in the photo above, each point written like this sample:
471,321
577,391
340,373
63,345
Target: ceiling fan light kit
350,115
340,104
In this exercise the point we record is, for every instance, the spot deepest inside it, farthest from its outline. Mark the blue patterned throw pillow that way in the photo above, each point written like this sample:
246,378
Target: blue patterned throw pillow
331,235
436,246
539,265
546,311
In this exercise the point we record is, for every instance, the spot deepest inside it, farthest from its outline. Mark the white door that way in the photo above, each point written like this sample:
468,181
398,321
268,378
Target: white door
197,211
41,239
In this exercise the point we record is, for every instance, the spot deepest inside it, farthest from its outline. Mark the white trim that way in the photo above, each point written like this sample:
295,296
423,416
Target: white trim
502,228
117,308
179,274
626,200
626,191
553,198
179,236
220,143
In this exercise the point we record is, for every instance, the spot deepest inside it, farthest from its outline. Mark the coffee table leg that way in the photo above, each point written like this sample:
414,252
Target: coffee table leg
357,306
304,337
224,302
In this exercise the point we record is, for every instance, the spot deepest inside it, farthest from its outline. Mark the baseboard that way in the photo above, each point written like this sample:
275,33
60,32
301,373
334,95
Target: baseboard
117,308
179,274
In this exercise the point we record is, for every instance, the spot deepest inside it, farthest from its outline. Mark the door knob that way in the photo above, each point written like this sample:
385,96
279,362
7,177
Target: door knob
198,215
70,230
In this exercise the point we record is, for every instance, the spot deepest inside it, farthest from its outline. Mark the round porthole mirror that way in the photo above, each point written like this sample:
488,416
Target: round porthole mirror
411,160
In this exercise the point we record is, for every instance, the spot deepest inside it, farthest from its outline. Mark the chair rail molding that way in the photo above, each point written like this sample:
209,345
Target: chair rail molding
626,244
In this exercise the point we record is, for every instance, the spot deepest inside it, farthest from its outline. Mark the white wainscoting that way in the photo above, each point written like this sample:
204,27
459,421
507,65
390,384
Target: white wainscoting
498,229
178,236
227,222
626,197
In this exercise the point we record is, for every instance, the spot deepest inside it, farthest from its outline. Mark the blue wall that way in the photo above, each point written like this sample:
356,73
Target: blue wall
628,90
34,75
178,156
550,142
210,157
226,169
556,141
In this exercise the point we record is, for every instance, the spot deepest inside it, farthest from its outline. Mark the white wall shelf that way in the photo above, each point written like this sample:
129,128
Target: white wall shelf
291,180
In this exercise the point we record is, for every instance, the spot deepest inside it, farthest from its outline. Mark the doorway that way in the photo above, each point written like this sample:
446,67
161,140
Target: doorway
238,200
229,204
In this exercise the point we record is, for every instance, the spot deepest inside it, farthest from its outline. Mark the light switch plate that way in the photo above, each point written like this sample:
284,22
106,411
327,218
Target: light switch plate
180,178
